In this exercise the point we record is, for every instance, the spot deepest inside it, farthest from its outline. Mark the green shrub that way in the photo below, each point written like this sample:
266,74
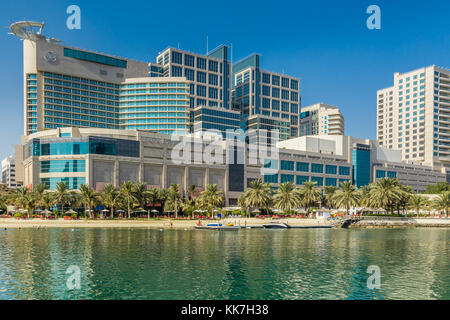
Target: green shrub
18,215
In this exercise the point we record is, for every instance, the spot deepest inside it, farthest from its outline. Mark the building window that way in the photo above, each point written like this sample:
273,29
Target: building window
177,71
303,166
201,91
201,63
285,82
201,76
317,168
287,178
189,74
188,60
301,179
271,178
213,79
287,165
275,80
177,57
330,169
294,84
213,66
318,180
344,171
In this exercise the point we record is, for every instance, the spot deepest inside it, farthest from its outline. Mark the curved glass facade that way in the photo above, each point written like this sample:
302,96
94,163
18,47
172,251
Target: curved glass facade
161,106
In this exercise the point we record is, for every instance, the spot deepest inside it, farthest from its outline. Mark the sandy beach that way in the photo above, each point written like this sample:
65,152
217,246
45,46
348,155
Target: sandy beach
151,223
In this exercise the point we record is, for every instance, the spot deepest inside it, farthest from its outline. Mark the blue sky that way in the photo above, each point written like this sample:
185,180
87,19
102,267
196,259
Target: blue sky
324,43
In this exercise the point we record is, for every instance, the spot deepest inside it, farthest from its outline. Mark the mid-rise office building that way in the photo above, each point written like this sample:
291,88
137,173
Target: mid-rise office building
209,75
98,157
321,119
267,100
414,116
332,159
9,172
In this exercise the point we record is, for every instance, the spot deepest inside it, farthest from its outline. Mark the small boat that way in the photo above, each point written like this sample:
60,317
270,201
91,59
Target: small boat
276,225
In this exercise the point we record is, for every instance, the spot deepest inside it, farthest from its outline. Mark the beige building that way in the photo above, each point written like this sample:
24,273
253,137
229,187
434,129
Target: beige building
321,119
64,86
414,116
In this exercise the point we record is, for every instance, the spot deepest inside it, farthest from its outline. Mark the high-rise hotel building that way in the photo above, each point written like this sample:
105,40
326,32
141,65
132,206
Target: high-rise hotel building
64,86
414,116
266,100
321,119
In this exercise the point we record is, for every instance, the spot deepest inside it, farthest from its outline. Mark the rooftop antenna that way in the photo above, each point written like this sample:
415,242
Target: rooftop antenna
206,44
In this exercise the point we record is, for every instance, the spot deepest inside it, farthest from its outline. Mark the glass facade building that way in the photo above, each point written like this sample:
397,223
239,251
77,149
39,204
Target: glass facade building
361,165
155,104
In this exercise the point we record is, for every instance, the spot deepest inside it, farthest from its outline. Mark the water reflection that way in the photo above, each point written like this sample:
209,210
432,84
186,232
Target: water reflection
249,264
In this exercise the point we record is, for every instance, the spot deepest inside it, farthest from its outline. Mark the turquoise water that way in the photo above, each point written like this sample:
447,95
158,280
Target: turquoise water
249,264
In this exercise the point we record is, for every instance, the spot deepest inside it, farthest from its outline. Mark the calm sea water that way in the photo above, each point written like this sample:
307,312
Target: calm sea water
249,264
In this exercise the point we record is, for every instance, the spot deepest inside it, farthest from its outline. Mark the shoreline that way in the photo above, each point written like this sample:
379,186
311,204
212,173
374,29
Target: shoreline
401,223
12,223
151,223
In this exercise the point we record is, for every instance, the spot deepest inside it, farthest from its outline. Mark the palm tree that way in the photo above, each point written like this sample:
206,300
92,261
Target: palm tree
189,206
384,193
153,196
365,196
127,192
347,196
61,195
174,200
287,197
39,191
211,198
405,196
329,192
443,202
310,194
192,190
19,197
110,198
88,197
140,194
163,196
416,202
257,195
30,203
48,200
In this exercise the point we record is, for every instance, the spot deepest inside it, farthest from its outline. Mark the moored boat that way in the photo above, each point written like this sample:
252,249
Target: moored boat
276,225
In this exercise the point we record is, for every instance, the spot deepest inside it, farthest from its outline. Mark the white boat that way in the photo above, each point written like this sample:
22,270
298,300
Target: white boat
276,225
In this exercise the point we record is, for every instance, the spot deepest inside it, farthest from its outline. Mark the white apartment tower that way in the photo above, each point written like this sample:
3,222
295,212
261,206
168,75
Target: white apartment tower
9,172
321,119
414,116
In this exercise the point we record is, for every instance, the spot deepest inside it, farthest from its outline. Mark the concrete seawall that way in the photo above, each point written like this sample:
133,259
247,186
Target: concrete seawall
379,222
